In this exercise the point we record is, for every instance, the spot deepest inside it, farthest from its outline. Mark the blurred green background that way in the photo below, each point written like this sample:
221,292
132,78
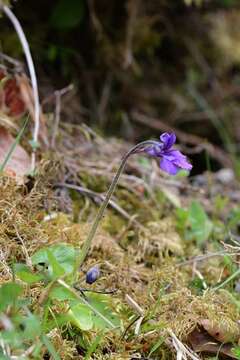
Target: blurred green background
139,65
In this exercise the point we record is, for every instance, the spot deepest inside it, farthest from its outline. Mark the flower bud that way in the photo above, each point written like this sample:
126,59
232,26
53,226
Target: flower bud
92,274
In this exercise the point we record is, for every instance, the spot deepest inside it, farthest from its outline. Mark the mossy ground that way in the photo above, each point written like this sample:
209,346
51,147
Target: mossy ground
139,248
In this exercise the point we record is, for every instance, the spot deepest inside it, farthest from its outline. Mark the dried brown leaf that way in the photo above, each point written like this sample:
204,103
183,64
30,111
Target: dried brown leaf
201,341
222,329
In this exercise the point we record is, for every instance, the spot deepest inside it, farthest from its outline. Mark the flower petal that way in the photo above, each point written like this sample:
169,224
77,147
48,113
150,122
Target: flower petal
169,167
178,159
171,160
168,140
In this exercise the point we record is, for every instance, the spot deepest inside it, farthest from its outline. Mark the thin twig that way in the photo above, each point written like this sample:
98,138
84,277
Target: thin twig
32,73
28,259
105,292
58,94
57,118
132,9
205,257
104,99
94,195
17,64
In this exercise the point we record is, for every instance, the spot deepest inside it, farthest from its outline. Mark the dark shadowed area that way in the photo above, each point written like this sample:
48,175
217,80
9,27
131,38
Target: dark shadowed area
119,179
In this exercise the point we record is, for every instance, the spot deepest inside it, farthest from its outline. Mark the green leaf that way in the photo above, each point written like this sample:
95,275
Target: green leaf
234,218
93,346
81,316
62,294
57,269
197,284
32,327
236,351
182,218
12,338
156,345
67,14
25,274
100,302
200,225
4,357
8,294
59,258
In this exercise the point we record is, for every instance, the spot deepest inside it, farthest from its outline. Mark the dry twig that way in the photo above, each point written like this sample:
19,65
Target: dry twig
95,195
58,94
32,73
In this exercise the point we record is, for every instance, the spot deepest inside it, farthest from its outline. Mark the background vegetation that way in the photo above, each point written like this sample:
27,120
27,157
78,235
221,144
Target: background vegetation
174,61
112,73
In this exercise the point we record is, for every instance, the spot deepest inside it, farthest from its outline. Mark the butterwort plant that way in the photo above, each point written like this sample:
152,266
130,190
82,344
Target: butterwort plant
170,160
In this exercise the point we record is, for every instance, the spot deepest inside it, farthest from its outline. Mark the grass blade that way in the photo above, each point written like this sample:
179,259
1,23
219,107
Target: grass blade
93,346
13,146
51,349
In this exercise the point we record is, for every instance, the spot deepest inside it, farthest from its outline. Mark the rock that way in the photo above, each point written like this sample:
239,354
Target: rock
225,175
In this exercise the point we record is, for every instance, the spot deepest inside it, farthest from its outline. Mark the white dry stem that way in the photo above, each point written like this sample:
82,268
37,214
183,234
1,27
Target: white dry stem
5,348
32,73
183,352
26,353
6,323
6,58
200,276
134,305
50,217
24,248
4,266
138,325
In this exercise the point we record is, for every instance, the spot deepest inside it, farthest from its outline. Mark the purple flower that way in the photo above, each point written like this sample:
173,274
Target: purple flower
171,161
92,274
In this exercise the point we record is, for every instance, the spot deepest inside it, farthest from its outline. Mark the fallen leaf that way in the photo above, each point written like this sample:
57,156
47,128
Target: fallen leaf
27,96
11,101
19,163
16,98
201,341
222,329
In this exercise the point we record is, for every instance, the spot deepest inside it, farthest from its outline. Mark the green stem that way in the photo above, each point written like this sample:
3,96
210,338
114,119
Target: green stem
87,244
231,277
13,146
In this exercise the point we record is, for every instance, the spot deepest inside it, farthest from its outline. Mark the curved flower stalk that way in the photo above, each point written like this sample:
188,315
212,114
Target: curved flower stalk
171,161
